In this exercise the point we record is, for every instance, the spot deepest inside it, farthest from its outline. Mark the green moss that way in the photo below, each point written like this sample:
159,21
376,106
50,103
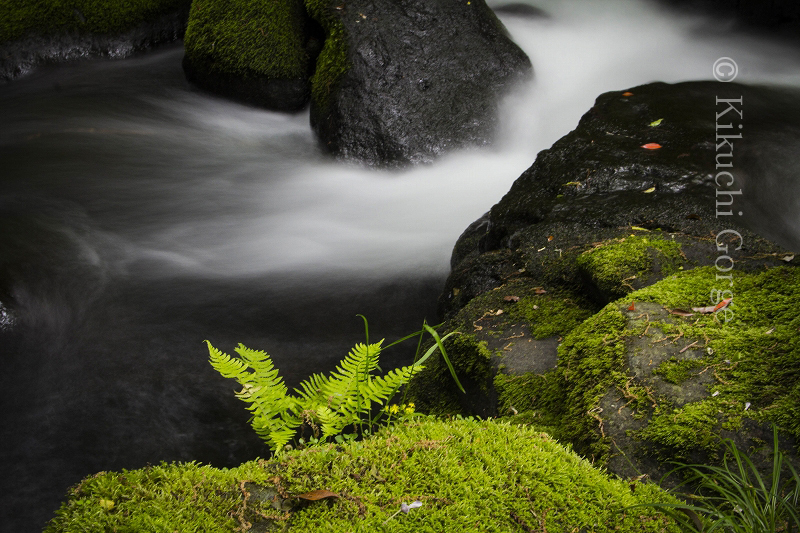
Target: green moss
47,17
680,432
753,358
332,61
613,265
534,398
249,37
552,315
469,475
677,371
174,497
433,390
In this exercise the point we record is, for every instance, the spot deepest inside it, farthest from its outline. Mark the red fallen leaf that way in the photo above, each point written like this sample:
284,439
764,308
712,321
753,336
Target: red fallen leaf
724,303
511,298
315,495
680,312
632,307
651,146
713,308
539,290
627,93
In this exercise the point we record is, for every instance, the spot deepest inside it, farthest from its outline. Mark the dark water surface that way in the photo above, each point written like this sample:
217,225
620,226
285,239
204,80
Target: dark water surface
139,217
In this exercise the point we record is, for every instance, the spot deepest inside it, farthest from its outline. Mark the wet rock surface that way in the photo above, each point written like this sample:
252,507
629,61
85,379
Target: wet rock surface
423,77
598,182
22,56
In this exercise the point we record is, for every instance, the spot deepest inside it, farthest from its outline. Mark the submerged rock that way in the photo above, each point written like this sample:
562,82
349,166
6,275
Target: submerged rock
402,82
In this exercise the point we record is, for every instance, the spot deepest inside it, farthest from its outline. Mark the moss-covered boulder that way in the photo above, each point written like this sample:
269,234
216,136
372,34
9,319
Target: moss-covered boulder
33,32
660,376
467,475
262,53
514,329
402,82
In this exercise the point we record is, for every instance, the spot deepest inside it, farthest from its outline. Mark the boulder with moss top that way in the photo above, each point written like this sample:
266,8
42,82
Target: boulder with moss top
631,200
659,376
467,475
262,53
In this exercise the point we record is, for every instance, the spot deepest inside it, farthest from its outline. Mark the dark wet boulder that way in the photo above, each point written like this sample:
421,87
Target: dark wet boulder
36,33
261,53
640,160
574,296
404,81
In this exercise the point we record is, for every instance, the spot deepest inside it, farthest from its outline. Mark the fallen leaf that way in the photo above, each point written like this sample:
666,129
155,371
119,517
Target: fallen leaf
651,189
747,405
627,93
724,303
787,258
539,290
680,312
656,123
511,298
315,495
499,312
638,228
651,146
576,183
632,307
713,308
550,238
716,393
770,331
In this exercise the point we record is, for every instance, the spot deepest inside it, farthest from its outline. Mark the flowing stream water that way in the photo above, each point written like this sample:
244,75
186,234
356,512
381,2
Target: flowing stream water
139,217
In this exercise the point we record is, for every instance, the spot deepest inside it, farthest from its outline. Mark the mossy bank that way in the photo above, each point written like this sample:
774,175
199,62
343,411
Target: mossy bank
468,475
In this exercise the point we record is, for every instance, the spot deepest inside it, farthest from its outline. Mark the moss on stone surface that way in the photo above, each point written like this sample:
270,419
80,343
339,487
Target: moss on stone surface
499,330
612,265
434,391
469,475
249,38
19,18
332,62
750,364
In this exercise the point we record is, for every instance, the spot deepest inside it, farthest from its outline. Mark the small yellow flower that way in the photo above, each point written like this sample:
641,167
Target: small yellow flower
394,409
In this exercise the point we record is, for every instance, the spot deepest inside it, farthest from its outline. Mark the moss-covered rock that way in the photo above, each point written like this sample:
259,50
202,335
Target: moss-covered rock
514,329
648,380
262,53
37,31
468,475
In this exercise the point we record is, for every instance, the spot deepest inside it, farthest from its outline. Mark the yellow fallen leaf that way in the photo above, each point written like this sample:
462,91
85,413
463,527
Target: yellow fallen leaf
651,189
638,227
656,123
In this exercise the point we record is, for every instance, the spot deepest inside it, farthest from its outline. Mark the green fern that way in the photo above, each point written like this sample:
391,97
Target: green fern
331,403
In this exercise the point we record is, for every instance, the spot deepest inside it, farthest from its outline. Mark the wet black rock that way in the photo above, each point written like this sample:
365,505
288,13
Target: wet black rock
422,77
22,56
643,157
